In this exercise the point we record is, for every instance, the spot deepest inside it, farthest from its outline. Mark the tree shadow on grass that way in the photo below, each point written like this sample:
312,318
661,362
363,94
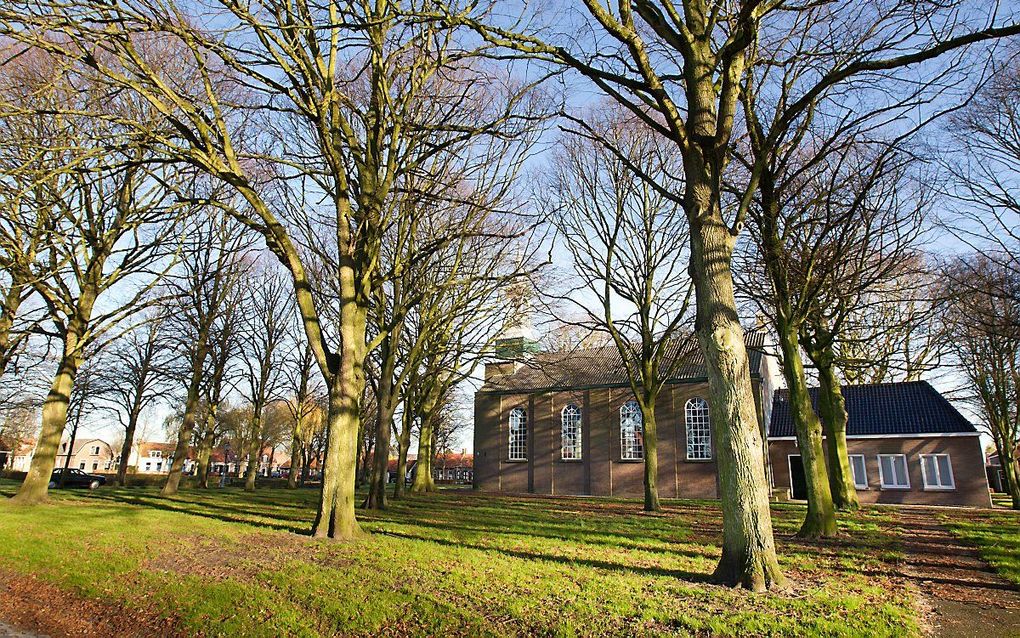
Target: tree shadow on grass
689,576
179,507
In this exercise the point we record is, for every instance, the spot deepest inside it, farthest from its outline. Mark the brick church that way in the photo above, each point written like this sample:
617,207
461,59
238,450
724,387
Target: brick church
565,423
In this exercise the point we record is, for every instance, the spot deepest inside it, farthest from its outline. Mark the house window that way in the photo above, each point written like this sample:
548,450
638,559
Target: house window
155,454
699,430
95,450
570,433
95,465
148,466
892,471
937,472
81,466
518,435
859,471
632,445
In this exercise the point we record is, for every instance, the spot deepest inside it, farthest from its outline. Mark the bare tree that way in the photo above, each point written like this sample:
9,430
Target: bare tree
108,231
132,371
898,333
629,245
370,94
205,284
681,70
88,393
984,329
265,337
220,378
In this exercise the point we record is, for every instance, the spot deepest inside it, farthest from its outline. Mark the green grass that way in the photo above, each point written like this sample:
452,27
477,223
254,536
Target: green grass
230,563
996,534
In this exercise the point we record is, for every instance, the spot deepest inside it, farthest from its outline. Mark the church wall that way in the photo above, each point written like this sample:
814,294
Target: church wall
601,471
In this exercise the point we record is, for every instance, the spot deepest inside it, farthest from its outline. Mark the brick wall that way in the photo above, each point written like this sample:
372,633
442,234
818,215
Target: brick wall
601,470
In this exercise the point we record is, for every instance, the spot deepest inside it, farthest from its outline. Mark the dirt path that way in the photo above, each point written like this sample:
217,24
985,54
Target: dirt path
965,595
31,608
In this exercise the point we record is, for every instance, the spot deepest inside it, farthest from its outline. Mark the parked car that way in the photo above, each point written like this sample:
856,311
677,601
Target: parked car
77,478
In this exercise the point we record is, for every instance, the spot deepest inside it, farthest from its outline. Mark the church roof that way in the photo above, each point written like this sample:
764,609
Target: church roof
603,367
883,409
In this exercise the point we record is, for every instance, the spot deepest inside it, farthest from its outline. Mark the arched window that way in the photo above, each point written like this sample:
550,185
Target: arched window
570,420
699,430
518,435
632,428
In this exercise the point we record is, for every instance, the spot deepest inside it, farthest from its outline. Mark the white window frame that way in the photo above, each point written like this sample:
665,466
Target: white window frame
95,450
570,432
632,431
864,465
881,473
517,448
696,413
924,473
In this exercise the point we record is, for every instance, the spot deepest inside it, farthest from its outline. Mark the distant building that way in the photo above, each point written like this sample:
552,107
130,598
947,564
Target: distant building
89,455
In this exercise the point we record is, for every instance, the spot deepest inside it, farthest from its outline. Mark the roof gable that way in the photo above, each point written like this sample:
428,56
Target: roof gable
913,407
603,367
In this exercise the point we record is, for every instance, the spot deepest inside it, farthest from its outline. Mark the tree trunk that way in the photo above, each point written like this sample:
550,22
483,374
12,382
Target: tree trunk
125,450
295,455
820,520
834,417
748,552
306,462
70,449
335,517
54,419
1009,468
423,481
205,450
184,434
651,456
254,450
380,463
403,443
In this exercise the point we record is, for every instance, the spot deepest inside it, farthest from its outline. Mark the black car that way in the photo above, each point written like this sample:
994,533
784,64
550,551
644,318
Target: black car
77,478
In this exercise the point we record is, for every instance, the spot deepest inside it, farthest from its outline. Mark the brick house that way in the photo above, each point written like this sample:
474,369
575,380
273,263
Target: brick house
906,442
566,423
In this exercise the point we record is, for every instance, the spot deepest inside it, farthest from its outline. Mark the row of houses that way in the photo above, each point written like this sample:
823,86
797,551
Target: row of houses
96,455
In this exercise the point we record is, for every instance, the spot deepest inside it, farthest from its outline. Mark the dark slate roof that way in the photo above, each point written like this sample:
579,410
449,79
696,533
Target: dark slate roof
603,367
883,408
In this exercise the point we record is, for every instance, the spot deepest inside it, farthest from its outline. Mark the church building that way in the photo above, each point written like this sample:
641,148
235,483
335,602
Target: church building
566,423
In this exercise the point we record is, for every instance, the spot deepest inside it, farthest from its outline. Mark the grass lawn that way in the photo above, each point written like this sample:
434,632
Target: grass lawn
227,562
996,534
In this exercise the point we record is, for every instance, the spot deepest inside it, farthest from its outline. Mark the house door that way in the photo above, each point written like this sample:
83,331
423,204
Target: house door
798,484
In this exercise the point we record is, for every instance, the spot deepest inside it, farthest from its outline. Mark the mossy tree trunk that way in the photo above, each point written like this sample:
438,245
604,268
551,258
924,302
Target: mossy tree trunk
186,431
651,463
423,481
295,451
205,447
403,444
748,552
254,451
820,520
335,517
386,407
54,412
832,409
